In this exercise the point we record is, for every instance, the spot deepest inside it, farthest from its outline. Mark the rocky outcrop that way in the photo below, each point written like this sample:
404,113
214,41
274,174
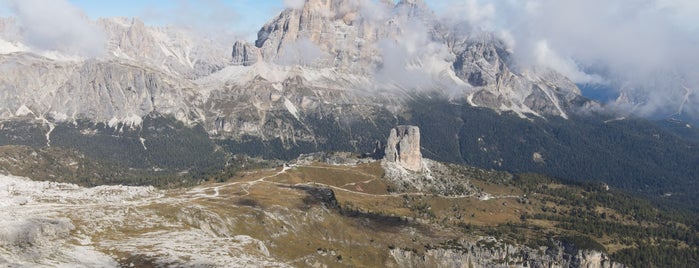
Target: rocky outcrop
403,147
344,34
435,178
100,91
245,54
491,253
36,237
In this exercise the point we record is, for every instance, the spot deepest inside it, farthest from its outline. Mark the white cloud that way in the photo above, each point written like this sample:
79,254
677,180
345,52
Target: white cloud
213,19
57,25
477,15
683,12
566,66
507,38
302,52
412,58
647,46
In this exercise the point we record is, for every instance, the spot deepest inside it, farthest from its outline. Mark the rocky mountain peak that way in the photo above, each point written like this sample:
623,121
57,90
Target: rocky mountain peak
244,53
338,52
323,32
135,40
176,51
323,5
387,41
403,147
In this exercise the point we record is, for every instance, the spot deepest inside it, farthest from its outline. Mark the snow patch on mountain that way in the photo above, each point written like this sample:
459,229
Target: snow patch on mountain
292,109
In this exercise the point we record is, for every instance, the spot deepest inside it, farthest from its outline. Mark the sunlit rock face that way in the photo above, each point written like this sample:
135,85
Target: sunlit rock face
311,60
244,54
379,40
403,147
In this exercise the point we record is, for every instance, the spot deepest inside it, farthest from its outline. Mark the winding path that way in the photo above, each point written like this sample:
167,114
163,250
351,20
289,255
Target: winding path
200,192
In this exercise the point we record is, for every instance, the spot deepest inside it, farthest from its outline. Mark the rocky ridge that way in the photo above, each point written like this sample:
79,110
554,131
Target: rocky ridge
341,59
345,36
175,51
328,59
145,70
497,254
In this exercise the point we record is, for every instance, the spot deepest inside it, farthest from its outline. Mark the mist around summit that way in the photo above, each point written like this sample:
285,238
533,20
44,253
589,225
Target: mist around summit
643,52
350,133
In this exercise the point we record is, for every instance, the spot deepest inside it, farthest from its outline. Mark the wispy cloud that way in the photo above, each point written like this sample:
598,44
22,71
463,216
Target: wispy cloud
646,48
56,25
411,58
301,51
211,18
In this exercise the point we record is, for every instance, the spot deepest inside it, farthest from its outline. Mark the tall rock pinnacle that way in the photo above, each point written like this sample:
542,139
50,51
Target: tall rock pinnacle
403,147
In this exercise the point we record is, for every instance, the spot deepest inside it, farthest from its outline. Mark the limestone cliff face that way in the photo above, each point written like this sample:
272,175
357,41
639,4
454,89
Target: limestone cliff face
245,54
340,36
102,91
470,254
172,50
339,59
379,39
145,70
403,147
484,62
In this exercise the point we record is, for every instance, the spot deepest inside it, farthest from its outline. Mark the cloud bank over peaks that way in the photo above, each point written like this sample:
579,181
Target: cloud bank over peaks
469,14
645,48
56,26
546,57
411,58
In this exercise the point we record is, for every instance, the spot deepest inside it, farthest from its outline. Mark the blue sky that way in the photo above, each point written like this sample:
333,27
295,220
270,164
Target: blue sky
233,18
243,17
250,9
240,17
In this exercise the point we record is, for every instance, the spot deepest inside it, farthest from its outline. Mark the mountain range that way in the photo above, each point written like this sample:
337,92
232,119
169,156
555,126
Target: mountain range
332,75
170,71
169,107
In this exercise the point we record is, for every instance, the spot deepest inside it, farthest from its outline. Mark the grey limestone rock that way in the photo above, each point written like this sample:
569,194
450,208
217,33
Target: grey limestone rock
403,147
245,54
175,72
479,254
341,34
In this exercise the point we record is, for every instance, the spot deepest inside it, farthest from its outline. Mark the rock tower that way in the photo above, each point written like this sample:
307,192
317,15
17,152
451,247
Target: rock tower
403,147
